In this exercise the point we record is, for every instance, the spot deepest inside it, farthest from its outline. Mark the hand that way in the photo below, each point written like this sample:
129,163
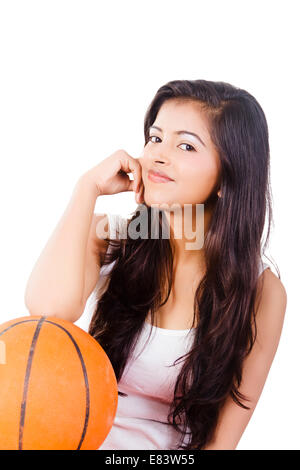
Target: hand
111,175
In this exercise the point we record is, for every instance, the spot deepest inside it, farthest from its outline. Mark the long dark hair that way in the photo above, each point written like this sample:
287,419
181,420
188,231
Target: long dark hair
226,295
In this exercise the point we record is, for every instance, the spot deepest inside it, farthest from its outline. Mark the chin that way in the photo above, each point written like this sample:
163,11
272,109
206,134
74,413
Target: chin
167,206
160,199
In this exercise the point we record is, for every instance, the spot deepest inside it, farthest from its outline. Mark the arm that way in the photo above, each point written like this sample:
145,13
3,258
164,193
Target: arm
57,283
67,269
233,419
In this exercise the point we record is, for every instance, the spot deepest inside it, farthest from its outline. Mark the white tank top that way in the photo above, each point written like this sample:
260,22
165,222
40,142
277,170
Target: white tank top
148,380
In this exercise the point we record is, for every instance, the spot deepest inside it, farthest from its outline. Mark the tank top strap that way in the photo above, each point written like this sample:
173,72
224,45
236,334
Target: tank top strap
262,267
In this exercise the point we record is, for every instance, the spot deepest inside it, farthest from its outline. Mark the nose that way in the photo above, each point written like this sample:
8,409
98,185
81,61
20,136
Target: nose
160,160
155,156
160,156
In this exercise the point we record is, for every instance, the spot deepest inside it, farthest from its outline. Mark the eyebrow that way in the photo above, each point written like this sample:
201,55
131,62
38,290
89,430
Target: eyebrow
181,132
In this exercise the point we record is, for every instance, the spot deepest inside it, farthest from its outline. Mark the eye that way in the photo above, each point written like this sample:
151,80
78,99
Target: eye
150,137
191,147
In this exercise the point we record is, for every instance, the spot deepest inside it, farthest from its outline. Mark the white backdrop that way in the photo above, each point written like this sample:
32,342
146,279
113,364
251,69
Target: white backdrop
76,79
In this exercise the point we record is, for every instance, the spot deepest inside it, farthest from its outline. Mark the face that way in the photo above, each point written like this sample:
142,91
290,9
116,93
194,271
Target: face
192,163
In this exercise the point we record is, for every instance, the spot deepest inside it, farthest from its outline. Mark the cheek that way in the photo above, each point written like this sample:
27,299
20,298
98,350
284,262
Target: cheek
197,180
145,165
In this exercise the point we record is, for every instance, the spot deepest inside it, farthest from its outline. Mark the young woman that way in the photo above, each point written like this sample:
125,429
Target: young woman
216,311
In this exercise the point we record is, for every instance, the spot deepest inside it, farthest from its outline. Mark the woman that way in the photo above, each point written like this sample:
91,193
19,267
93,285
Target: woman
216,311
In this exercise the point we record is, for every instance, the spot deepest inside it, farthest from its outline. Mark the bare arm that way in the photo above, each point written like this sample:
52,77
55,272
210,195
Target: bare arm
67,270
270,317
56,285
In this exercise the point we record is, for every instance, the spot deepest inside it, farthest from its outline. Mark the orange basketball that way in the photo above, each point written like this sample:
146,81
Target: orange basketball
58,389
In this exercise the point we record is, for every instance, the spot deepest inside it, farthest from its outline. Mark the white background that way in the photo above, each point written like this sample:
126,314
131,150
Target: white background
76,79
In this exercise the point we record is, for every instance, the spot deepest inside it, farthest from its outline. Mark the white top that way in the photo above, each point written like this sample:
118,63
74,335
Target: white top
148,380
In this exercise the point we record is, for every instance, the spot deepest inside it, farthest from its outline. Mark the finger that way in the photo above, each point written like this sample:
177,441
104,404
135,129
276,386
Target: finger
131,185
142,194
132,165
137,173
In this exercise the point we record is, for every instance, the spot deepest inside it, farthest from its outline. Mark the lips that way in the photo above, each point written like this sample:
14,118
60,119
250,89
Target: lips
159,175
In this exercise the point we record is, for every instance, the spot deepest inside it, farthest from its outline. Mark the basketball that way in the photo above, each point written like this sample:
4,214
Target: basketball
58,389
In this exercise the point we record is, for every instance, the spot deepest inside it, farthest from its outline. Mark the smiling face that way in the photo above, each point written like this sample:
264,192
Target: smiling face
193,163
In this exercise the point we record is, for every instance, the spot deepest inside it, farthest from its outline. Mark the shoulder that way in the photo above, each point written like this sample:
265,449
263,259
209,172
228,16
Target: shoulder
270,308
100,226
270,312
273,290
107,226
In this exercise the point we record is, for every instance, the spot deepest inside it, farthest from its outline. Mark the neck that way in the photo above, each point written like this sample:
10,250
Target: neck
187,233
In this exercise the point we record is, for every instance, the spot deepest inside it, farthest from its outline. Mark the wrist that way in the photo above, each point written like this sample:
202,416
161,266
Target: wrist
85,183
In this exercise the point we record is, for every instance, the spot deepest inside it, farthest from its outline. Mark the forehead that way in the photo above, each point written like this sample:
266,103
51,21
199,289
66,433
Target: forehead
176,114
